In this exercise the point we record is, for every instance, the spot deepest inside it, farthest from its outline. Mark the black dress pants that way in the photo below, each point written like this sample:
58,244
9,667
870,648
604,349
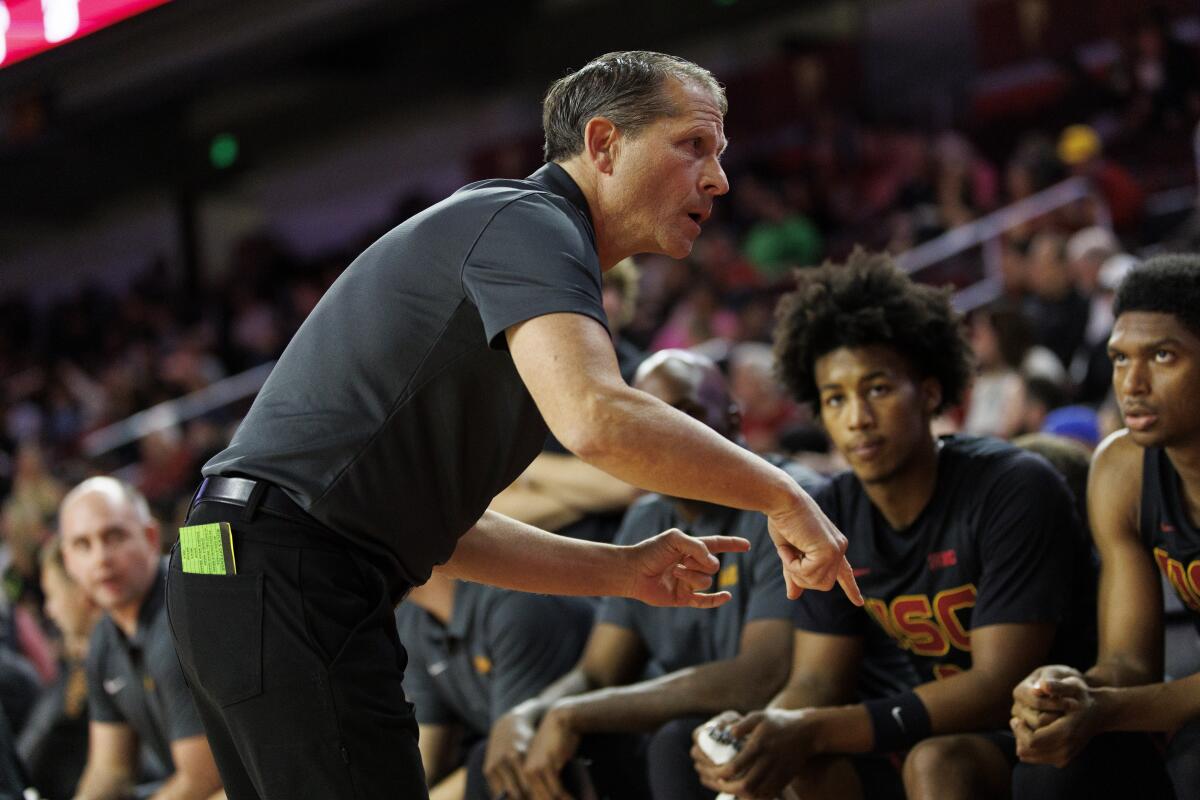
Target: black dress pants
295,664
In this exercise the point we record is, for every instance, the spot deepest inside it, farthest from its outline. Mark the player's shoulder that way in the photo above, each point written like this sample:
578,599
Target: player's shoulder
983,461
1118,451
1115,477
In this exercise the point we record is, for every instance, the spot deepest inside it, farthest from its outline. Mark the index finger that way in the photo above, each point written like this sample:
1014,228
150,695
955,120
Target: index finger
848,583
708,599
725,544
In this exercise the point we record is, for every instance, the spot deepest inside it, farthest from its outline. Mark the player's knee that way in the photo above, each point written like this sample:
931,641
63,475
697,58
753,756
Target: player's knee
673,738
935,765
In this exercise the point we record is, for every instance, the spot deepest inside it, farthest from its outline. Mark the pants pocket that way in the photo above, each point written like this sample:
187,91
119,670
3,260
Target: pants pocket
218,625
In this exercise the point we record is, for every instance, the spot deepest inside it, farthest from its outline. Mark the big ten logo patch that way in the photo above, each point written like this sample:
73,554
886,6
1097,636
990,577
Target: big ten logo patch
927,628
1186,582
482,664
727,577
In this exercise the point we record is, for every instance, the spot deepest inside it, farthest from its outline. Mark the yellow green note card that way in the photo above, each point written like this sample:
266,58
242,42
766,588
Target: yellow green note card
207,549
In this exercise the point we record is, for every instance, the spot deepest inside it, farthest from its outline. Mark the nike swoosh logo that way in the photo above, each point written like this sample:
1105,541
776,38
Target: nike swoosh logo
899,719
438,668
114,685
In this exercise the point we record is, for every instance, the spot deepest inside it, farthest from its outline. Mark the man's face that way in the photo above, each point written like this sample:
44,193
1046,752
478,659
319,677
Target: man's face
67,605
108,550
664,179
1156,378
875,411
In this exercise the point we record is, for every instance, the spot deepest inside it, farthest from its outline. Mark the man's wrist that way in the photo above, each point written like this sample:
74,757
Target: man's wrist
840,729
564,714
787,497
1107,703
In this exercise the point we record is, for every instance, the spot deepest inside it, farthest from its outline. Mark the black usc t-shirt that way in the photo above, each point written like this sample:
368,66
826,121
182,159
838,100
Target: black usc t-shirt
999,542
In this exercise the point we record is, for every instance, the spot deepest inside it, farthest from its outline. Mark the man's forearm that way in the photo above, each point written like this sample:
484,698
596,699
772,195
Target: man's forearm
503,552
643,441
703,690
811,691
573,683
99,783
183,787
1117,671
1155,707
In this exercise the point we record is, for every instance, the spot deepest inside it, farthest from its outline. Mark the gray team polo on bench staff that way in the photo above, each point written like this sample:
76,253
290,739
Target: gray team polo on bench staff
137,681
500,648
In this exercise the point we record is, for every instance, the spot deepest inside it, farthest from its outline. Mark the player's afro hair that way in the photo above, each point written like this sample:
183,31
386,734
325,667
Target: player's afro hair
1168,283
869,301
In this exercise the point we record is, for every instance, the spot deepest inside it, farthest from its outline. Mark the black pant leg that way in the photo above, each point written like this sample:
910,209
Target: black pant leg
1112,765
671,772
298,659
1183,760
477,786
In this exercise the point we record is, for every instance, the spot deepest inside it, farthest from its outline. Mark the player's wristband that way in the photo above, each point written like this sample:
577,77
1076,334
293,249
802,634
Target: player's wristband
899,722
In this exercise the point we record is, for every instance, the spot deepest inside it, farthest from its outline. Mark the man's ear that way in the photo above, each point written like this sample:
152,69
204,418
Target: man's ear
154,535
600,137
931,395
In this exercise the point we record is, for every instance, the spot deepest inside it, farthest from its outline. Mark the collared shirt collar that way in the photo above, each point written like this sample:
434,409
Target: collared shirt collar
557,180
151,604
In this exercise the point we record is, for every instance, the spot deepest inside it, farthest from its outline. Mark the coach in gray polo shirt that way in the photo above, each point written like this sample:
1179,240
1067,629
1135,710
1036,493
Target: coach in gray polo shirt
137,698
737,654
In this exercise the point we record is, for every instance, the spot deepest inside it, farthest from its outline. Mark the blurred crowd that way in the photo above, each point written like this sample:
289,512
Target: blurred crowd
93,358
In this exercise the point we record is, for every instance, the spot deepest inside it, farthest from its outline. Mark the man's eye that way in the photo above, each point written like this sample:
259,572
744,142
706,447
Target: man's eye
833,400
1163,356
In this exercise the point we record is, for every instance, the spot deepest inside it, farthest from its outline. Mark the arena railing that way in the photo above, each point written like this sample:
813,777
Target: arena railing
986,231
171,413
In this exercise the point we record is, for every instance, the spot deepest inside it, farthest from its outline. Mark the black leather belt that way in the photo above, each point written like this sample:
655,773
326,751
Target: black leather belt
250,495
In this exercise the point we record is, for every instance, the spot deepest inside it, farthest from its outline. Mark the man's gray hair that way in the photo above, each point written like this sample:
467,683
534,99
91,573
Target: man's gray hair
626,88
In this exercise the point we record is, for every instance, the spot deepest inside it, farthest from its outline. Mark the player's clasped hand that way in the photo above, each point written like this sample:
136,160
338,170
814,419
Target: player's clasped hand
813,551
508,744
674,569
1053,715
774,744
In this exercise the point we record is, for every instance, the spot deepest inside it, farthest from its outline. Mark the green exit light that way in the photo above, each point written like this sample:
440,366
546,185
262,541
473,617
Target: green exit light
223,151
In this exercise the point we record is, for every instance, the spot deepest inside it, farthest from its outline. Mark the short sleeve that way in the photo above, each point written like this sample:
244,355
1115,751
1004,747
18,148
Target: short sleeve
1027,535
533,640
101,708
419,688
533,258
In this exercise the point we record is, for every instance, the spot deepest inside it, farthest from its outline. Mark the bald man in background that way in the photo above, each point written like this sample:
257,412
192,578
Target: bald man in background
137,697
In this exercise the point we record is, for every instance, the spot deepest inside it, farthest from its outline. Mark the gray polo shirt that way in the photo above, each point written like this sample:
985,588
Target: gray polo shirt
500,648
396,414
677,638
137,681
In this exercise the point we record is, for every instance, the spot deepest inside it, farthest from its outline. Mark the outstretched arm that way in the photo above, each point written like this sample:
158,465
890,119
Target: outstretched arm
671,569
568,365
